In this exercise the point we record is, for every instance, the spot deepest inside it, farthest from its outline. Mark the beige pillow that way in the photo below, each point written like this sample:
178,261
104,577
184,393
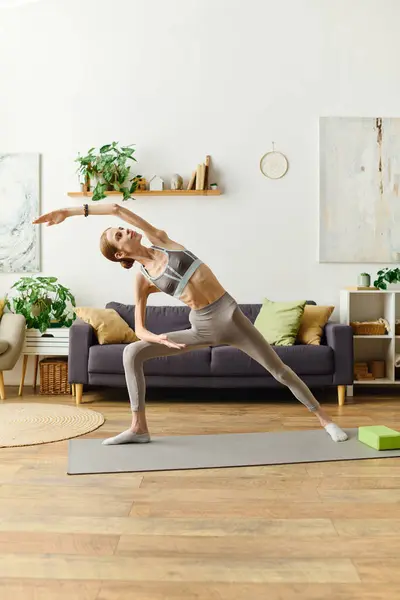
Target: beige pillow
312,323
109,326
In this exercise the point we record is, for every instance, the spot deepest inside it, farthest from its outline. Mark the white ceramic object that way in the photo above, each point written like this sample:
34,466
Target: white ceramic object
176,182
156,184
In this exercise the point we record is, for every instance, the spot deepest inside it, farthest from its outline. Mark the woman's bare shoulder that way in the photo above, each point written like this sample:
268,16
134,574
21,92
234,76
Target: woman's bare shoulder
169,244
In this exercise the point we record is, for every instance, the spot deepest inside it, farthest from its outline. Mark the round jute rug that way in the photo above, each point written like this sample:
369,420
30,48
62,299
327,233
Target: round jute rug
28,424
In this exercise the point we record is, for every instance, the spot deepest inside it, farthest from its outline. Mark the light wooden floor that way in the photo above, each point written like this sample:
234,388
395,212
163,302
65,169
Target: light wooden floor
316,531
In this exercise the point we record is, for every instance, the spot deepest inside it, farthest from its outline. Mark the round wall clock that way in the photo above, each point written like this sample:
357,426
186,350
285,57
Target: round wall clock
274,164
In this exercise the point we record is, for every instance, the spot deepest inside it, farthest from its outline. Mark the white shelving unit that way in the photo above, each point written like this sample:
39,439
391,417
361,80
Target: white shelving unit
369,305
53,342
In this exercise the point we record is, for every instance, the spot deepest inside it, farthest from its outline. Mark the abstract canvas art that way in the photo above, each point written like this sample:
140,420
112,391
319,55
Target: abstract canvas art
19,205
359,219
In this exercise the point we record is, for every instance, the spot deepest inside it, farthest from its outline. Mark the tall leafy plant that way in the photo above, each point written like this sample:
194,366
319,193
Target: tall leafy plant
385,276
44,302
111,168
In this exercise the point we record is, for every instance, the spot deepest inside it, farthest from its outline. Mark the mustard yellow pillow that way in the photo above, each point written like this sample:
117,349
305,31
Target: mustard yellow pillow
2,306
312,323
109,326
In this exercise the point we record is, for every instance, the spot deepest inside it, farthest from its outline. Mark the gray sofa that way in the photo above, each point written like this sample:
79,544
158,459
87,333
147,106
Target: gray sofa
330,364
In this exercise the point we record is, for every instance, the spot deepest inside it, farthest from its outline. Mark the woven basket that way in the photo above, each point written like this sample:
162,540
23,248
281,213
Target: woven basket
54,376
367,328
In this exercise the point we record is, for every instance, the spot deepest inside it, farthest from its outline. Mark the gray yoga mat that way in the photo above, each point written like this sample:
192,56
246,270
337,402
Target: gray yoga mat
212,451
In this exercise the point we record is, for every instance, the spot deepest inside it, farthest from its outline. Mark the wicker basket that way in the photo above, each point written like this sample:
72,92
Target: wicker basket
54,376
368,328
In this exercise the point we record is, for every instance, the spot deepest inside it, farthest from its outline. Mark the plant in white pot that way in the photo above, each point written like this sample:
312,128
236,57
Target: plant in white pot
364,279
109,168
44,303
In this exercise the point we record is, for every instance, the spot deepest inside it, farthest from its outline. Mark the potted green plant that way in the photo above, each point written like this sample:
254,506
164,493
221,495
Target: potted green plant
110,167
364,279
44,302
387,276
86,169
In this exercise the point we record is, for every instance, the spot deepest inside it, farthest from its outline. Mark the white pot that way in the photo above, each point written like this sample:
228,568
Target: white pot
364,280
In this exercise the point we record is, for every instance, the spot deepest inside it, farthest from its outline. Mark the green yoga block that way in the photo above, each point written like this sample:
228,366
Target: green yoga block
379,437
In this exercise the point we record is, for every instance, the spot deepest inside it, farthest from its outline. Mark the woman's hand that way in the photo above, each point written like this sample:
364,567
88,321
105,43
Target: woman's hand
154,338
163,339
52,218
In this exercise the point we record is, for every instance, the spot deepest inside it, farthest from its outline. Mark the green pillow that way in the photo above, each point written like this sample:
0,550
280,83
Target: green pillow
279,322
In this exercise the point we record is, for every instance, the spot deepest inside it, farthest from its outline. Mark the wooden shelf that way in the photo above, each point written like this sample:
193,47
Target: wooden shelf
152,193
388,336
381,381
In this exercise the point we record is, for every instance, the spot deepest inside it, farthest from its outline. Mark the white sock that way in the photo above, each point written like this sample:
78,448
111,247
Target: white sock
337,434
127,437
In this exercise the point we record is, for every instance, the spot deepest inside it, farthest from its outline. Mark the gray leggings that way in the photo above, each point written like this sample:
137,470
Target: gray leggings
221,322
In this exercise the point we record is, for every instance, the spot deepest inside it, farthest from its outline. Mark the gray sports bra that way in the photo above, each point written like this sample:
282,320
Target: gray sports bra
180,267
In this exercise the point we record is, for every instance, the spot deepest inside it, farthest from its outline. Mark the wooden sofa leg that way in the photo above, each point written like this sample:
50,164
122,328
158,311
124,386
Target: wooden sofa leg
2,389
341,394
78,392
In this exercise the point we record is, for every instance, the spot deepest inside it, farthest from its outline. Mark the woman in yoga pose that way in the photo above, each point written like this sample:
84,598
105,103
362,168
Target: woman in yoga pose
215,316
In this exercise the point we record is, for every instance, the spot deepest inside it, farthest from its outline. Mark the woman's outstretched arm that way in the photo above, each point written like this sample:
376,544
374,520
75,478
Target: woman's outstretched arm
58,216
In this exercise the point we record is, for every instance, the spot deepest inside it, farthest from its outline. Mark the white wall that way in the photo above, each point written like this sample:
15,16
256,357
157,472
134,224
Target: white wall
180,79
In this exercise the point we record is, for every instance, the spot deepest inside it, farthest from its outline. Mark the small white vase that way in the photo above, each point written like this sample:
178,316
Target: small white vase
364,280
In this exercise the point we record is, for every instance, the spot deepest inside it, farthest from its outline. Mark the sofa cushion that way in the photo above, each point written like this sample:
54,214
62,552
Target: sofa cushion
252,310
312,323
279,322
159,319
108,359
109,326
303,359
189,364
